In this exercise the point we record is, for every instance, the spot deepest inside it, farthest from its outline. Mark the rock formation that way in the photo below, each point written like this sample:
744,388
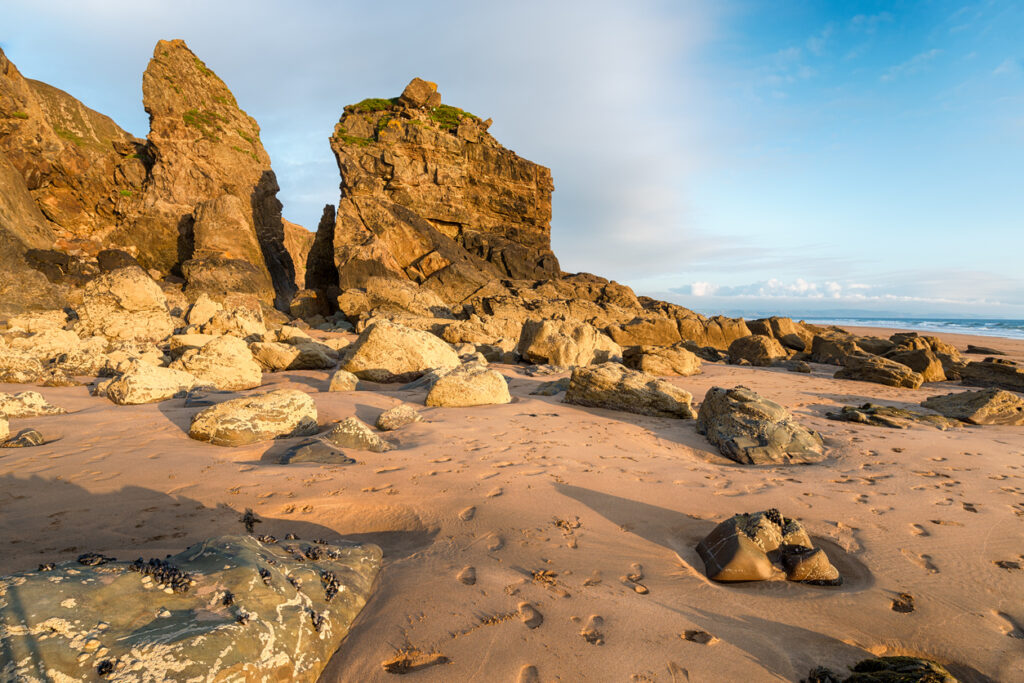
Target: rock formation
250,419
616,387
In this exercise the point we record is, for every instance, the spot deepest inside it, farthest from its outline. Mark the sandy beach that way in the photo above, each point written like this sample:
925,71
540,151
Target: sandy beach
554,505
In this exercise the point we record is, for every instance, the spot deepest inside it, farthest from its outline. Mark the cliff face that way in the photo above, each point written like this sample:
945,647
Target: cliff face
209,201
428,195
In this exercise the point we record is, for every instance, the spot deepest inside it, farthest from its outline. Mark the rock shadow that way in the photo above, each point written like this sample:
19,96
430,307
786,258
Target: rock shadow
266,213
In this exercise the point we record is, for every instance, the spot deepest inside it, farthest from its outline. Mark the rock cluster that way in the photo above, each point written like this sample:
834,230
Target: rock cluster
231,607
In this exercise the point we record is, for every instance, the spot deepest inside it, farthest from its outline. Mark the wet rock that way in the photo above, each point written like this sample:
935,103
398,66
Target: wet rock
994,372
26,438
114,617
865,368
26,404
124,304
250,419
747,547
224,363
889,416
318,451
662,360
355,434
470,384
752,430
343,380
144,383
386,352
616,387
757,349
564,343
398,417
983,407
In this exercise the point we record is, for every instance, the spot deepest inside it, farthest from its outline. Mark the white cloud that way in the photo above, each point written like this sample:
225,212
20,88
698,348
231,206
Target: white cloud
1008,67
912,66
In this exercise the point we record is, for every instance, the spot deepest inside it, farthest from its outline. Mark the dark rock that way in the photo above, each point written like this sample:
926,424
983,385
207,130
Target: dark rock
27,438
994,372
889,416
984,407
983,351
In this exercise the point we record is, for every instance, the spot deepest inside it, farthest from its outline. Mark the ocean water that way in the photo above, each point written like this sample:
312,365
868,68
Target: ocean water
1013,329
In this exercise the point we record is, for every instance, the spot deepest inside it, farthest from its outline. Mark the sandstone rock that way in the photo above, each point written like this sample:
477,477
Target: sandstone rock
178,344
790,334
37,321
297,242
124,304
277,356
240,421
420,93
833,349
355,434
983,350
397,417
308,305
26,438
874,345
797,366
26,404
983,407
144,383
233,608
994,372
224,363
752,430
646,331
757,350
18,367
245,322
889,416
381,295
386,352
318,451
616,387
563,343
343,380
470,384
46,345
663,360
865,368
203,310
809,565
922,361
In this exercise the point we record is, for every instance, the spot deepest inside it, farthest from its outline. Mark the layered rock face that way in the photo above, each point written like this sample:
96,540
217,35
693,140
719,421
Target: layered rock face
429,195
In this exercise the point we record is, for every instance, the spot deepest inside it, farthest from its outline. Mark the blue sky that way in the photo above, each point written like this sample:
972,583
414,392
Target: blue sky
749,157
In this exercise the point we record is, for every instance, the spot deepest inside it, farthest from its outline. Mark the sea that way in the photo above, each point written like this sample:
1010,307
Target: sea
1013,329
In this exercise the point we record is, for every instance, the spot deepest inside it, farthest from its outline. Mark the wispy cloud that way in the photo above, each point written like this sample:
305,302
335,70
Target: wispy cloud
1010,66
869,23
912,66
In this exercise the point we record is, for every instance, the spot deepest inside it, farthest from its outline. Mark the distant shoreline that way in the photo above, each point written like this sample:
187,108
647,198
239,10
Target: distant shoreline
1008,329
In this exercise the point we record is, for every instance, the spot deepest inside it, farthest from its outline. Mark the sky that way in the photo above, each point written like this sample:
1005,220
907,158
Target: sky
796,158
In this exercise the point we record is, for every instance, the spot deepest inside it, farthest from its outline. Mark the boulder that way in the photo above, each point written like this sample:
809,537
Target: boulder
250,419
564,343
752,430
355,434
552,388
833,349
180,343
5,428
757,349
994,372
646,331
245,322
144,383
397,417
124,304
889,416
224,363
46,345
662,360
747,547
616,387
203,310
318,451
227,608
386,352
984,351
922,361
274,356
470,384
420,93
982,407
343,380
19,367
26,438
865,368
26,404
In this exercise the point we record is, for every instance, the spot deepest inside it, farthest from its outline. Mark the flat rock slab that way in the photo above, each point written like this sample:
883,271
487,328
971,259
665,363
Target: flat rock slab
994,372
752,430
889,416
616,387
984,407
228,608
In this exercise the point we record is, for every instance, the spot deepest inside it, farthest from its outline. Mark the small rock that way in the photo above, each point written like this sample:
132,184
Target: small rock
343,380
397,417
903,603
355,434
26,438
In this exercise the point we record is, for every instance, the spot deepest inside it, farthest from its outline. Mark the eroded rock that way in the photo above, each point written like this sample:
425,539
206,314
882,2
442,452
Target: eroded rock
26,404
878,370
470,384
616,387
386,352
984,407
240,421
663,360
757,349
398,417
144,383
356,434
224,363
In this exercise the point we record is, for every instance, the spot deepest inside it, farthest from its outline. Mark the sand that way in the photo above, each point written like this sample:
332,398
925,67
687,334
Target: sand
552,506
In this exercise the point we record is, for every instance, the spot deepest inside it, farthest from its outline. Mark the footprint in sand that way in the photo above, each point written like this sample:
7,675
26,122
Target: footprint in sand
1009,626
494,493
529,674
468,513
467,575
903,603
701,637
918,530
678,673
922,561
495,542
591,632
530,615
593,580
632,580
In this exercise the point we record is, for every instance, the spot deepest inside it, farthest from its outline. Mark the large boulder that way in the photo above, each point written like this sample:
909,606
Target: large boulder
124,304
743,548
994,372
757,349
19,367
224,363
250,419
564,343
470,384
833,349
386,352
646,331
144,383
227,608
616,387
922,361
866,368
662,360
982,407
26,404
752,430
301,356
